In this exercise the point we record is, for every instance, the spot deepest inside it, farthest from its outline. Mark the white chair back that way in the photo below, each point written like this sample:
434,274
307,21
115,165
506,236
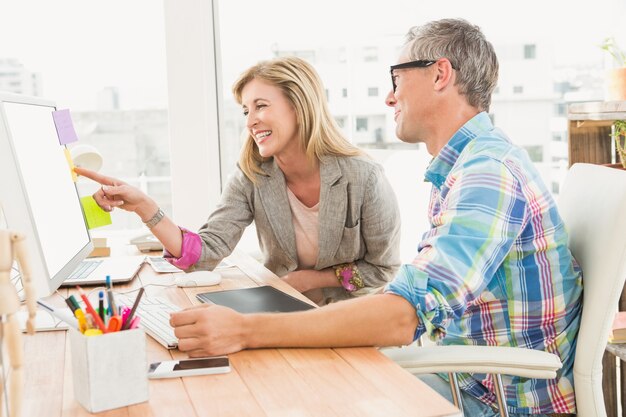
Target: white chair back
593,206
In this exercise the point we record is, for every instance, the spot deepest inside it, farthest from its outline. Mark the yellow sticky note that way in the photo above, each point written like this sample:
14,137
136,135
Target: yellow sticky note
96,217
71,164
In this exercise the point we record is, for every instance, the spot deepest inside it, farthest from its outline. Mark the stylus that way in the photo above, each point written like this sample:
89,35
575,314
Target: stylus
129,319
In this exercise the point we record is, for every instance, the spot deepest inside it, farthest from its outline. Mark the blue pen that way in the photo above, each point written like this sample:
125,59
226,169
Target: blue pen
112,308
101,304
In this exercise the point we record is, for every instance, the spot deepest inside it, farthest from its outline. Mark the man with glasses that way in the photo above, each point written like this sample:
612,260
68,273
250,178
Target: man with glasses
494,268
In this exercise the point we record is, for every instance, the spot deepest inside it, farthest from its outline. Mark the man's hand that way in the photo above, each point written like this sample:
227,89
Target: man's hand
209,330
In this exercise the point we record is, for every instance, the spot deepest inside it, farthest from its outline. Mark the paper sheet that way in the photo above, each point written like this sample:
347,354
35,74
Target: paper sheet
65,126
70,163
96,217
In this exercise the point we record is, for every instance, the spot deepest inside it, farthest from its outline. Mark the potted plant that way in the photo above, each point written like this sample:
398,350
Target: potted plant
616,82
619,135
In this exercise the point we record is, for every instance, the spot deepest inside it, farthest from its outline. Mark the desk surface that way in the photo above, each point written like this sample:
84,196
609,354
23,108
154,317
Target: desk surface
264,382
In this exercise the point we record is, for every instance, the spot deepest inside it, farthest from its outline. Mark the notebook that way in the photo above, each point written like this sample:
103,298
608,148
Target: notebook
94,271
264,299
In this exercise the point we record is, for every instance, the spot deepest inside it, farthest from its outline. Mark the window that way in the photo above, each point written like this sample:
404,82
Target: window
117,97
343,56
530,51
300,53
361,124
370,54
357,56
535,152
560,109
562,87
372,92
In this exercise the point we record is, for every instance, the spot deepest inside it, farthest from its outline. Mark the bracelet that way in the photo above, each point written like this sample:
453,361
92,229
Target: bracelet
349,277
155,219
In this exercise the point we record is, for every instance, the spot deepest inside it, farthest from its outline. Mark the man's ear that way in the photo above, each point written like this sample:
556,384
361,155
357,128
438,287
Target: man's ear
444,74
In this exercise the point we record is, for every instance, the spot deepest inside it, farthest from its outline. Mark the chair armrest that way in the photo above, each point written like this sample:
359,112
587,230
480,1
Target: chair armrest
476,359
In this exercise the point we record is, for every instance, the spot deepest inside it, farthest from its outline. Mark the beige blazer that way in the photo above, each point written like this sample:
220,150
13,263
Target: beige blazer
359,221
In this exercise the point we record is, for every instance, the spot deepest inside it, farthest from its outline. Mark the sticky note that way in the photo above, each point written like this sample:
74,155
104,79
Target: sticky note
95,216
70,163
64,126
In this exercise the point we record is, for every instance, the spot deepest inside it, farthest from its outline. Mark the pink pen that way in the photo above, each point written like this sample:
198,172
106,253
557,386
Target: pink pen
125,313
134,323
132,310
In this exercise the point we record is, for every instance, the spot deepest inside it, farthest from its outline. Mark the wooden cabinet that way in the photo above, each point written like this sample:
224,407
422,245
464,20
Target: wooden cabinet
589,140
589,129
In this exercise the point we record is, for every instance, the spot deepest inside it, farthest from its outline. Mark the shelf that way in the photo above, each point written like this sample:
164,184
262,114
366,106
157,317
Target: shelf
597,110
589,131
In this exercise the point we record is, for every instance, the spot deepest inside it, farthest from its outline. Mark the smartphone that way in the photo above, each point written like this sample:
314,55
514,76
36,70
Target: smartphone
189,367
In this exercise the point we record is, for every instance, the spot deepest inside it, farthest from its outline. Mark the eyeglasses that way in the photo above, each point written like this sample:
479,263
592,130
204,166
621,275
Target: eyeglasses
412,64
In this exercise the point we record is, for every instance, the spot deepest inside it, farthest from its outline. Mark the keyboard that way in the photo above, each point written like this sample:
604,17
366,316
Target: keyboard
155,317
83,270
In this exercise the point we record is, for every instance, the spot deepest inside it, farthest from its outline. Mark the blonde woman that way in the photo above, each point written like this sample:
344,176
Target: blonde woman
326,217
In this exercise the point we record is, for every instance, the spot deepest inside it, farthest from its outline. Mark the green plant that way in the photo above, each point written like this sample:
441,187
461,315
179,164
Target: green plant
619,134
611,47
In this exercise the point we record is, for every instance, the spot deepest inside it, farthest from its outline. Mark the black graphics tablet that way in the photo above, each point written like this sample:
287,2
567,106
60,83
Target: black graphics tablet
264,299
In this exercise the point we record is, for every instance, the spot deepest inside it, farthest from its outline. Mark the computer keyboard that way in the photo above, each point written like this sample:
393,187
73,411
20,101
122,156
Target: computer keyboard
155,317
83,270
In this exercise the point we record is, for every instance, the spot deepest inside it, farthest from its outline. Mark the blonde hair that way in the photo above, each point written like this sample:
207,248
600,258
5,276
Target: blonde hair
318,132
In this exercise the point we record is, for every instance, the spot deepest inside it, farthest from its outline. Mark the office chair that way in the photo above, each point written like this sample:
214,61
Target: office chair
593,207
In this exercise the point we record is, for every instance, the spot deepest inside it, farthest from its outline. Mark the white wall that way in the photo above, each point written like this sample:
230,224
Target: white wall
193,82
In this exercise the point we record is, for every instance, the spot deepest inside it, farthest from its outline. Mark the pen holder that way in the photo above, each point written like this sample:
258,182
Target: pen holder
110,370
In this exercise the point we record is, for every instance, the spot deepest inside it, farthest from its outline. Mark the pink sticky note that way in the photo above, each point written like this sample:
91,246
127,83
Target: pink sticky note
65,127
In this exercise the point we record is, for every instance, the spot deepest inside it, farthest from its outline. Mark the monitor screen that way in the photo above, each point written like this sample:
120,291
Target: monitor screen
39,196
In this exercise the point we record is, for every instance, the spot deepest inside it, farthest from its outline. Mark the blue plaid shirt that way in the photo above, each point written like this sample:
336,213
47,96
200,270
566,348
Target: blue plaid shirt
494,268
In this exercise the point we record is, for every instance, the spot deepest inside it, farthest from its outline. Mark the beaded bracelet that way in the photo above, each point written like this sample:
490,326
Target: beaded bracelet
349,277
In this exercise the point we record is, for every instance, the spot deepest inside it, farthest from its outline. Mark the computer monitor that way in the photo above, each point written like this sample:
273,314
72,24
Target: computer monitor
37,193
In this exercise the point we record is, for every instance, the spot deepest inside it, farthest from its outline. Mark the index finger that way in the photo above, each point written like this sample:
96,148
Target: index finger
93,175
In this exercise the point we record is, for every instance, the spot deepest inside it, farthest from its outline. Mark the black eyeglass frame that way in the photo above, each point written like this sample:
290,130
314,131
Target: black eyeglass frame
420,63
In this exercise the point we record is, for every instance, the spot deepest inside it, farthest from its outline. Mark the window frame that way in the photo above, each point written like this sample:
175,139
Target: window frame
194,98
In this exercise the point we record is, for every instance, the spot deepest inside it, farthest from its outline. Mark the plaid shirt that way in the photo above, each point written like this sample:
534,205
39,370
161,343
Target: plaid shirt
494,268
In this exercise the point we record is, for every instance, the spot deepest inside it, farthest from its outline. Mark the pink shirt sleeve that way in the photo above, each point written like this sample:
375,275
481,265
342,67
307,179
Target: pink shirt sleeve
189,252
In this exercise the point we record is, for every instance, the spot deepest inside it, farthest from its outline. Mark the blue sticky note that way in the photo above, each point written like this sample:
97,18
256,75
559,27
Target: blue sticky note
64,126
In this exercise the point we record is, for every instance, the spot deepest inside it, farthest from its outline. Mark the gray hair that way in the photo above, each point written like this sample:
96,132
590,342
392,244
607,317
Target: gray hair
465,46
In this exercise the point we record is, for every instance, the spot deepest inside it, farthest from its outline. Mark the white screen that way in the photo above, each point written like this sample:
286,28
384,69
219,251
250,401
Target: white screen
52,196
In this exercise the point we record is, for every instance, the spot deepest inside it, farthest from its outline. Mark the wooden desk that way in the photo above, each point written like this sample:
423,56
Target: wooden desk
264,382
